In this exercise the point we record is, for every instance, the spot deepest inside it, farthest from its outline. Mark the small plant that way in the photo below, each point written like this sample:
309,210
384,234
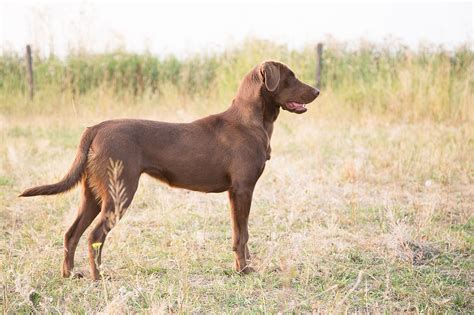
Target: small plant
117,192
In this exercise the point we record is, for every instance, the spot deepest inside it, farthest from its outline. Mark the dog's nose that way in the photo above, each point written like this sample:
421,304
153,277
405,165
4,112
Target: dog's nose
316,92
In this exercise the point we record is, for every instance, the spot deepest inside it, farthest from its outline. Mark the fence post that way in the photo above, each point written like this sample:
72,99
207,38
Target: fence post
319,64
29,64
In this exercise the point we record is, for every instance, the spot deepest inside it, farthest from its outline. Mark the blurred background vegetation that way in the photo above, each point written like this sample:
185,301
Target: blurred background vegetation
390,80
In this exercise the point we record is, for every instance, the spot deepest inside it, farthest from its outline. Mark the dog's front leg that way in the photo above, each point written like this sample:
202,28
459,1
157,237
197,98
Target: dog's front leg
240,200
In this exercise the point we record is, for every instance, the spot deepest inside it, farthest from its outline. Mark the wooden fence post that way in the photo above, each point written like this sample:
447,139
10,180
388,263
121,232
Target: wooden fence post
319,64
29,64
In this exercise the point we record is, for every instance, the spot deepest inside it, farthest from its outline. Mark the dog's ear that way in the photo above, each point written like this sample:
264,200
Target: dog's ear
271,75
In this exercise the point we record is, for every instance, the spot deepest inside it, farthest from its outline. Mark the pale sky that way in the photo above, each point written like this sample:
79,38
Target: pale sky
185,28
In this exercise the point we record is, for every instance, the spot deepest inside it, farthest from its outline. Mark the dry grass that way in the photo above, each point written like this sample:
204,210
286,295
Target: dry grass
350,214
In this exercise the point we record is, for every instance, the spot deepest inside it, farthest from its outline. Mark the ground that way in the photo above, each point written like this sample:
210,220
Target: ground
350,214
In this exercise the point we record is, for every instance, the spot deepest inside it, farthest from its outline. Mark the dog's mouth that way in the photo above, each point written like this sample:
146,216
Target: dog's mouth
295,107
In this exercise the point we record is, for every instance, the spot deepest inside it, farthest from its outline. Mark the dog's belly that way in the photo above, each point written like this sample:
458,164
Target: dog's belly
192,177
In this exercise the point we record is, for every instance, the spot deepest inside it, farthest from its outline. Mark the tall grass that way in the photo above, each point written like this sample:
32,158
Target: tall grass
365,78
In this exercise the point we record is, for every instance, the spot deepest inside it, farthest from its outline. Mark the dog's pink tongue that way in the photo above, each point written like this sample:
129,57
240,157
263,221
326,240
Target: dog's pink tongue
295,105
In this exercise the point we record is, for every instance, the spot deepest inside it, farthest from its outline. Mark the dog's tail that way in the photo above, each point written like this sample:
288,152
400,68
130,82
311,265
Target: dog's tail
74,174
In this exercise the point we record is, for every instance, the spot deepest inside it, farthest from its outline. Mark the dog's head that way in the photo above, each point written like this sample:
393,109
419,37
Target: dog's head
281,86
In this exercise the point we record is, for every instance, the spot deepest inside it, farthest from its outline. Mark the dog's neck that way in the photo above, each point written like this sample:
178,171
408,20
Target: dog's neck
256,112
253,105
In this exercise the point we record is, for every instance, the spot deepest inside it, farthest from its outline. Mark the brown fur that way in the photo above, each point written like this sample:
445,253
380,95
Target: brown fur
223,152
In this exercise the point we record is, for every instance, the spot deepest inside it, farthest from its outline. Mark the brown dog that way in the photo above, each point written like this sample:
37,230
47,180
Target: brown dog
223,152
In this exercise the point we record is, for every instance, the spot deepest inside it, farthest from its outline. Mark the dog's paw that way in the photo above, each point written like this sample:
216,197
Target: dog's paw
247,270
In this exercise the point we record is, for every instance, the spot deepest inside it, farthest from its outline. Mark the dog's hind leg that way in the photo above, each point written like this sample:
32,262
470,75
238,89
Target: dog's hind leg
112,210
89,208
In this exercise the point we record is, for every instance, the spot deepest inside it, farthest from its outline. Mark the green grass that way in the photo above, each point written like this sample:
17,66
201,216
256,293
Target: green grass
365,206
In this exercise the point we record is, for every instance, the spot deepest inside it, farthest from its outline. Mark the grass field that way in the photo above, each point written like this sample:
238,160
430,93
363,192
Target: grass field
359,209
